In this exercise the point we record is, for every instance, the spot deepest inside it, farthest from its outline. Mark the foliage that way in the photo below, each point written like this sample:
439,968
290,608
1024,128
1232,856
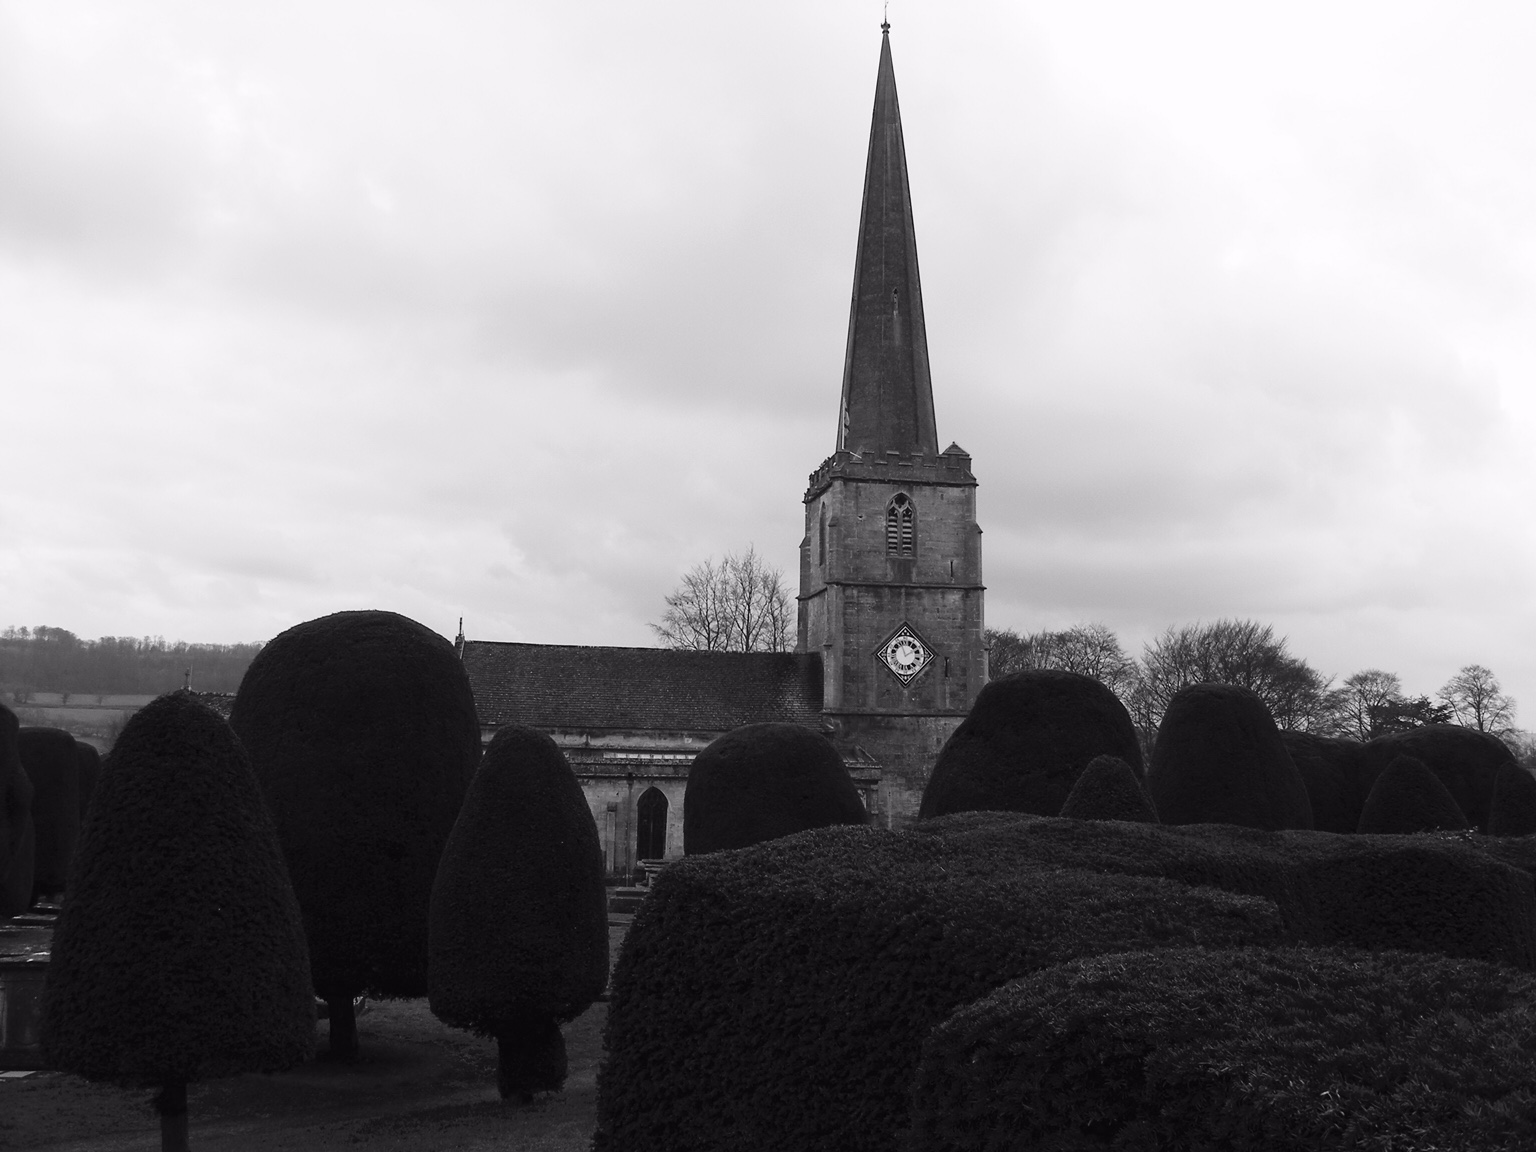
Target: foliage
1219,759
1239,652
48,755
763,781
1404,715
1285,1050
17,842
361,728
738,605
1109,789
179,954
1330,767
1025,742
1465,760
45,659
1476,700
519,915
777,996
1087,649
1513,810
1407,797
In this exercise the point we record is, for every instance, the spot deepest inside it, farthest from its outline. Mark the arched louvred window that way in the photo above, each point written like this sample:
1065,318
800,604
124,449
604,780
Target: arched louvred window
652,825
899,527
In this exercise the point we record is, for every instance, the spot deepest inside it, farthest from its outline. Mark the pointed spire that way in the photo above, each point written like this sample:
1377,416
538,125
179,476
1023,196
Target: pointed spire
887,393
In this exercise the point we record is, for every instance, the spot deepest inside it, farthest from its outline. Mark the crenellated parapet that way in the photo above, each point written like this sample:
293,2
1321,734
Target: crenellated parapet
951,467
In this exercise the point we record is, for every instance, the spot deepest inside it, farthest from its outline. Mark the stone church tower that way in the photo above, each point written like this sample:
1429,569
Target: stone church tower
890,566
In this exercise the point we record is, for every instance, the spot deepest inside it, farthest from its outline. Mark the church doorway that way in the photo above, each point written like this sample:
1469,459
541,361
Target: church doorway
652,821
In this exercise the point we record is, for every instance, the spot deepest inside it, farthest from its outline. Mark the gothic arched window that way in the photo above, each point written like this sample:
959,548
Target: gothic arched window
899,517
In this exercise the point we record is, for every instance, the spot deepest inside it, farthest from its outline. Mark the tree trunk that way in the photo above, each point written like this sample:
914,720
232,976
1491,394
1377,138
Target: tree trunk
530,1058
171,1103
343,1027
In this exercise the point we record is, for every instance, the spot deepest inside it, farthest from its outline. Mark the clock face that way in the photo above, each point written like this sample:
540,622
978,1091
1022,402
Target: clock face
905,654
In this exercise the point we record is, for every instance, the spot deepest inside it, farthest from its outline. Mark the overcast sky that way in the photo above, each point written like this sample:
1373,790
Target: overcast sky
518,310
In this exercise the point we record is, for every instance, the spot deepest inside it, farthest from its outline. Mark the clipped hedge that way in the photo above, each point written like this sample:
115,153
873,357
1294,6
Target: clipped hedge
17,841
361,728
1465,760
88,765
777,996
519,917
1219,758
179,954
1330,769
1025,742
1109,789
1407,797
762,781
1418,893
1512,811
1290,1050
51,763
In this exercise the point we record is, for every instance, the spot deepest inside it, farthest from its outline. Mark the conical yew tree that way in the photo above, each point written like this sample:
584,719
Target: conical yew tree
53,766
179,954
1513,810
361,728
17,842
519,927
1407,797
1109,789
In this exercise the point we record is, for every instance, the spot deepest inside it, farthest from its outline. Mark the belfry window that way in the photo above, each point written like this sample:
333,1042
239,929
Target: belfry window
899,517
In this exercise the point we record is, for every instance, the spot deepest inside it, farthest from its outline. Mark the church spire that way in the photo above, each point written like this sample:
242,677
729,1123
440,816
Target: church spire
887,394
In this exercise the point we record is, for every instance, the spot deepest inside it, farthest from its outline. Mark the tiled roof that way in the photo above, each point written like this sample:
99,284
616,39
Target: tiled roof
572,686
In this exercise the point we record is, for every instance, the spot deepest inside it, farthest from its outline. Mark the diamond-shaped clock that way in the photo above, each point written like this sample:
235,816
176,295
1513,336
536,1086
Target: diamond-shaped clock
905,654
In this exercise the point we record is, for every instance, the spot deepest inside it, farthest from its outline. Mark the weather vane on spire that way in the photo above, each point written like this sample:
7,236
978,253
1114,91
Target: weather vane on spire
885,17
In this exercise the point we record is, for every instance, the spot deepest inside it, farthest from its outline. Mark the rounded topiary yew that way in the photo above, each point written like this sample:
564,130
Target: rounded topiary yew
1513,810
1330,770
17,842
1025,742
88,764
762,781
1465,760
1219,759
361,728
519,924
1109,789
1407,797
179,955
48,755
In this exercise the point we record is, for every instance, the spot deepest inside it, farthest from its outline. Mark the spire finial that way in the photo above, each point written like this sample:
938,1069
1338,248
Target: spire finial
885,18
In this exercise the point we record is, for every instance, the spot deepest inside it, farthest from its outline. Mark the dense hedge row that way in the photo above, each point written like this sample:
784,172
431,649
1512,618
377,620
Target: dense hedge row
762,781
1417,893
17,841
1024,743
776,997
1290,1050
51,763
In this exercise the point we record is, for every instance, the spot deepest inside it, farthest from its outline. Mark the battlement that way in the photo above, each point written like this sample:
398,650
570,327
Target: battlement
952,466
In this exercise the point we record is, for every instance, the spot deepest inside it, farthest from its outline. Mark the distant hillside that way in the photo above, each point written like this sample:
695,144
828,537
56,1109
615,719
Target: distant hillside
49,660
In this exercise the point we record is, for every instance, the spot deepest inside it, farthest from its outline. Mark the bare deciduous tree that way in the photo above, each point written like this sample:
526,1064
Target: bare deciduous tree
737,605
1367,696
1474,697
1088,649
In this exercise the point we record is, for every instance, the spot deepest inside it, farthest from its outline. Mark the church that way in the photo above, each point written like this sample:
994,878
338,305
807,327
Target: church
889,652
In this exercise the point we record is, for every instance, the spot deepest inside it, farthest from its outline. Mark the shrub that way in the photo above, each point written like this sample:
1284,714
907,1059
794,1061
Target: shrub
1465,760
1415,893
1512,811
1109,789
361,728
776,996
763,781
17,840
1025,742
48,755
88,767
179,954
1290,1049
1330,770
1408,797
1219,759
519,924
